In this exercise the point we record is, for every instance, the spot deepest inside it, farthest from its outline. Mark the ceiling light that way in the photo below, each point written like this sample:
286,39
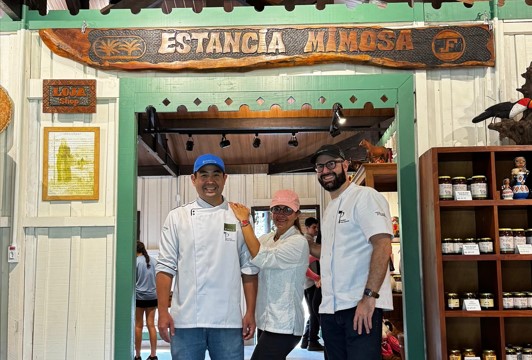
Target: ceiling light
293,141
224,143
189,146
338,119
256,141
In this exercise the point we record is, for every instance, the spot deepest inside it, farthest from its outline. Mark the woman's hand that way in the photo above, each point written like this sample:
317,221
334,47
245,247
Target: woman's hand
241,211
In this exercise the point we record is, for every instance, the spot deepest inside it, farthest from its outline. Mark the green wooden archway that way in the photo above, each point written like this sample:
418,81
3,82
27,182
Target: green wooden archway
383,91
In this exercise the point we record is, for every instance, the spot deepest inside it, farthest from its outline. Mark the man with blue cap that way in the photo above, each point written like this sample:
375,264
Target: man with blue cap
202,246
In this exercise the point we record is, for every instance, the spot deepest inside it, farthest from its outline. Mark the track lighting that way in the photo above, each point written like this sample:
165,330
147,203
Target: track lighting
338,119
224,143
293,141
189,146
256,141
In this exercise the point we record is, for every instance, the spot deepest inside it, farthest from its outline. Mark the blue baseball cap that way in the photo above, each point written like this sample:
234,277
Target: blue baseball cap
208,159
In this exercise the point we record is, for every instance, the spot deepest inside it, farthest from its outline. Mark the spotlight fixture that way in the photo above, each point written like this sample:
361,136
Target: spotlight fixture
224,143
338,119
189,146
293,141
256,141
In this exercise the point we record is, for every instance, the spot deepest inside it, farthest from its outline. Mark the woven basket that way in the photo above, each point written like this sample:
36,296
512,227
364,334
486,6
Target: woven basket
6,109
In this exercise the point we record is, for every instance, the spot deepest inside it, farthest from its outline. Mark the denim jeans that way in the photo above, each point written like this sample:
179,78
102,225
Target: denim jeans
222,344
344,343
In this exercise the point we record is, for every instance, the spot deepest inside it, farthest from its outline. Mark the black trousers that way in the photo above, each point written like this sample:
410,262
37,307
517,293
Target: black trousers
313,300
273,346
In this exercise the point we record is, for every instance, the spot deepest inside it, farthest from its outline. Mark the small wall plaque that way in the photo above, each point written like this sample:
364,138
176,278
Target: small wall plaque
69,96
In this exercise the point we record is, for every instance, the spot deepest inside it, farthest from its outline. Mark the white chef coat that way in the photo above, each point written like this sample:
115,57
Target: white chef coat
283,264
204,248
348,222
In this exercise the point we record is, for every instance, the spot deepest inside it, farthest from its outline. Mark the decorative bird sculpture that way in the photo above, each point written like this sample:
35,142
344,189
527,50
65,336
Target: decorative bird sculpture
505,110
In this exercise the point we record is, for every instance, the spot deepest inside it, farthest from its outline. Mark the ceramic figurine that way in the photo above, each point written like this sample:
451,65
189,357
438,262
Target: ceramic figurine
520,175
506,190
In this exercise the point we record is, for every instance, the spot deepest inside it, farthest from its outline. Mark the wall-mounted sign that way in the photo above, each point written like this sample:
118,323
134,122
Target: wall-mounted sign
69,96
241,48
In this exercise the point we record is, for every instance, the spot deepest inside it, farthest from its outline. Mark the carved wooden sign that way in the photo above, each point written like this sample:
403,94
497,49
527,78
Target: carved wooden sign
239,48
69,96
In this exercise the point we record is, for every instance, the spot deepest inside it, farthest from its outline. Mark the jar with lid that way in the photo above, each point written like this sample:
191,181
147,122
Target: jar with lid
447,246
507,300
518,351
455,355
453,301
520,301
526,354
479,187
468,296
458,245
459,184
489,355
519,237
485,245
469,353
511,354
487,301
445,187
528,235
528,295
506,241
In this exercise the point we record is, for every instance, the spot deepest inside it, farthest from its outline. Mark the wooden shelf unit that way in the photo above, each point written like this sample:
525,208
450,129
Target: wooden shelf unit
495,273
381,177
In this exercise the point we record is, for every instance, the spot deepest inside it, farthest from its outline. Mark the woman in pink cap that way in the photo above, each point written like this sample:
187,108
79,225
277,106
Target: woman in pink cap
282,256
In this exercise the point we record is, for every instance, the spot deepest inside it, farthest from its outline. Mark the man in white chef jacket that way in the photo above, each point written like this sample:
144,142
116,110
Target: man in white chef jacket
203,247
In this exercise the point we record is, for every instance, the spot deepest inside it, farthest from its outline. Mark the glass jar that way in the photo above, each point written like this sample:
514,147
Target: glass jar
487,301
458,245
453,301
447,246
469,353
507,300
479,187
485,245
455,355
459,184
528,235
506,241
468,296
445,187
527,354
489,355
511,354
520,301
519,237
528,295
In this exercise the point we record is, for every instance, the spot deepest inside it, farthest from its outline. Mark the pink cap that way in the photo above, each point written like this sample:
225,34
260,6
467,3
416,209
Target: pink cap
286,198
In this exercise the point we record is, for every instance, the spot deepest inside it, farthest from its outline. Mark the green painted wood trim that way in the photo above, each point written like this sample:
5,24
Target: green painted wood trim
409,223
136,94
515,10
8,25
456,12
388,133
126,227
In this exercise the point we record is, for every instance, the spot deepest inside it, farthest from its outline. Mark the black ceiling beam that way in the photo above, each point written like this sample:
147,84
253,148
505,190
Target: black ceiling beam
159,153
13,8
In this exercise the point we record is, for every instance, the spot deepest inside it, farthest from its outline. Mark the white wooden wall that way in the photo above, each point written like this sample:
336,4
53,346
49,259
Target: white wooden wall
61,293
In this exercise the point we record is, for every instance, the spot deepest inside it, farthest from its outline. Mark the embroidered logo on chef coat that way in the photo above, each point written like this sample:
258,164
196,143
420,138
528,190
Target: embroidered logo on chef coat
230,232
341,218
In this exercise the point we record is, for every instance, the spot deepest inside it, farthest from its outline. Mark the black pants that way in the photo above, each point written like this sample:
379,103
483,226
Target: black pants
273,346
313,299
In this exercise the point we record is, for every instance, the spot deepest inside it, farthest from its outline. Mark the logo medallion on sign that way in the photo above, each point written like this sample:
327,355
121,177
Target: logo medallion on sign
448,45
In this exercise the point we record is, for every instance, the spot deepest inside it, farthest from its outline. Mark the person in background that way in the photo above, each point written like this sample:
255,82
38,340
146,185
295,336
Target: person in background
282,257
311,338
355,253
146,301
202,245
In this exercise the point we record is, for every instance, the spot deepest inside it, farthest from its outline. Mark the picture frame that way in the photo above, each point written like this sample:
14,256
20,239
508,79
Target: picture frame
71,163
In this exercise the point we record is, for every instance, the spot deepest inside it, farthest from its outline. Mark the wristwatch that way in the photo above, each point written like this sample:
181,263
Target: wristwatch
371,293
244,223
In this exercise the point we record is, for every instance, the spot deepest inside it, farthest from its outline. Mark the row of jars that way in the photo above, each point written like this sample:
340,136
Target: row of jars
470,353
511,353
510,238
454,246
518,300
478,185
518,352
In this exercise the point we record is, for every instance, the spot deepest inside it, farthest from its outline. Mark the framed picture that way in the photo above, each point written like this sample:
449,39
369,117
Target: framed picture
71,163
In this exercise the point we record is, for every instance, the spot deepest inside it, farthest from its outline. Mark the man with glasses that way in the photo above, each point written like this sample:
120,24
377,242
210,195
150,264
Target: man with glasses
202,245
355,251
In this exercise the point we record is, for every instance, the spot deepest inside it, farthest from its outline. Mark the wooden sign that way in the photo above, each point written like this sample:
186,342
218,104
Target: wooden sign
246,48
69,96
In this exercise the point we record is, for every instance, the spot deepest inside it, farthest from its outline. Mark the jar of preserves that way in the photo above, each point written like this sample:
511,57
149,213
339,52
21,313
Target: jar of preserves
528,235
479,187
489,355
518,351
453,301
455,355
469,353
506,241
528,295
519,237
511,354
485,245
487,301
459,184
468,296
445,187
520,301
526,354
447,246
458,245
507,300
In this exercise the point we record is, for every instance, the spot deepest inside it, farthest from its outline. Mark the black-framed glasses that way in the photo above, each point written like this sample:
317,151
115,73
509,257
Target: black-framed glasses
281,210
329,165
